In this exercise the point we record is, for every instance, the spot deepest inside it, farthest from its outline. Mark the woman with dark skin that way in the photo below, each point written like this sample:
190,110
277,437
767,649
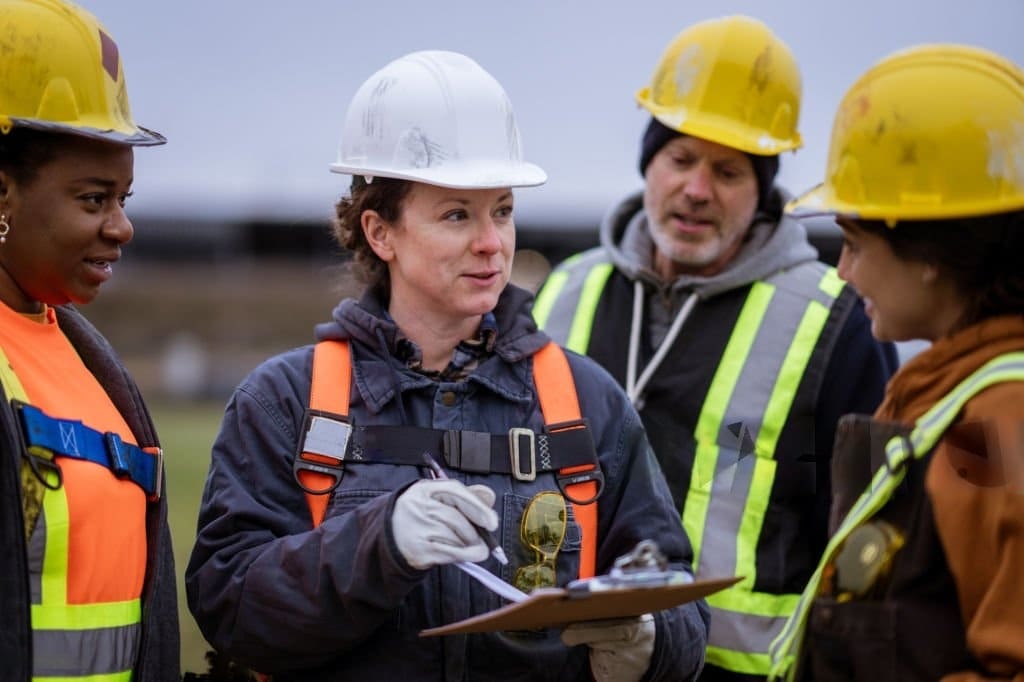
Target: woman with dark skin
89,588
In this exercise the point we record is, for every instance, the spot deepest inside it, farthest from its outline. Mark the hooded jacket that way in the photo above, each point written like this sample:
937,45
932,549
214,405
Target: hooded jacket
682,330
339,601
160,650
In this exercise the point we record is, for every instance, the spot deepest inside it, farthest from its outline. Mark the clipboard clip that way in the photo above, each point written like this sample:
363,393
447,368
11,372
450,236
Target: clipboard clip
643,566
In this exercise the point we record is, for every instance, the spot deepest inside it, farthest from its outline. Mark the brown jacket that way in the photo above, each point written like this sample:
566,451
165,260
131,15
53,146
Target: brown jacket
975,483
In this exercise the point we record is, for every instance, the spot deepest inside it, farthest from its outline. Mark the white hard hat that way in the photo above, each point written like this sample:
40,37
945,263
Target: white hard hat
435,117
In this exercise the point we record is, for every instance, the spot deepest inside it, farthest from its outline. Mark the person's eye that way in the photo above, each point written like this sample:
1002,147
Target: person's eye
504,212
682,161
123,199
455,215
93,199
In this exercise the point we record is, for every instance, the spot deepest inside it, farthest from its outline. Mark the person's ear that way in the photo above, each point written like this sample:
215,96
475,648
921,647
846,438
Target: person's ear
378,234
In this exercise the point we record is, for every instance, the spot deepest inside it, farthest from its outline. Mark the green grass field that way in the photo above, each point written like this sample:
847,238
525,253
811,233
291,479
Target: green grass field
186,433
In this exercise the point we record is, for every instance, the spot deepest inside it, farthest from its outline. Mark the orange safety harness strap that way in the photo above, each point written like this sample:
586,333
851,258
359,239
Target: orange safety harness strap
556,391
328,393
318,473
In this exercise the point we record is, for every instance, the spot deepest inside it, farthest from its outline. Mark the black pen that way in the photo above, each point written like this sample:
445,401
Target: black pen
496,551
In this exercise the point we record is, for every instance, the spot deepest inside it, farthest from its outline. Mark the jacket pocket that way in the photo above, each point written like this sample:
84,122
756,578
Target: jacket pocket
520,554
854,640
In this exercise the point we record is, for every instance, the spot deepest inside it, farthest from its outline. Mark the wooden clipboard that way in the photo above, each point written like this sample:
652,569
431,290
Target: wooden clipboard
553,607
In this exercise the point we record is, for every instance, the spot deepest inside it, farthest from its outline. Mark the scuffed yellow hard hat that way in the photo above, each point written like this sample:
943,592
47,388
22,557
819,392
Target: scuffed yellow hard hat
728,80
928,133
61,71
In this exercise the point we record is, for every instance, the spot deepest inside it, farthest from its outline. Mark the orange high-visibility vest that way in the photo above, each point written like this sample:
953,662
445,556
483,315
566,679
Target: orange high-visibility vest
80,630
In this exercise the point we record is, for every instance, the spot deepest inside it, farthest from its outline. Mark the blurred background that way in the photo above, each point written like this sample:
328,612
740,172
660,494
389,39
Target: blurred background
232,261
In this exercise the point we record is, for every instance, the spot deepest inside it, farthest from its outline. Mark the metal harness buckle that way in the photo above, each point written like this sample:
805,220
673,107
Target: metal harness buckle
323,449
515,437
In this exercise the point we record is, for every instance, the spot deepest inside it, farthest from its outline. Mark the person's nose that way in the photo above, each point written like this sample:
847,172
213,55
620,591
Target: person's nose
843,267
488,237
698,185
118,227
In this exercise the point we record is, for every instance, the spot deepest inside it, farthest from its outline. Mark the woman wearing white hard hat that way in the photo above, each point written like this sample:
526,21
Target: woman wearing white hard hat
326,541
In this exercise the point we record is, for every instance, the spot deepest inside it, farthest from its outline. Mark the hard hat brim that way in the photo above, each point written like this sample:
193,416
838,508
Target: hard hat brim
821,201
812,203
458,176
142,137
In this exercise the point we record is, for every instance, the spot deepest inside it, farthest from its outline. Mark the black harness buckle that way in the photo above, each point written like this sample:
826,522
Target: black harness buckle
584,472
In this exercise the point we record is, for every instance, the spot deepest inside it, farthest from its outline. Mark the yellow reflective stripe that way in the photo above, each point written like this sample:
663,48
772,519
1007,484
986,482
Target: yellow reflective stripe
754,603
751,523
776,413
32,491
547,296
54,584
739,661
713,412
86,616
11,382
831,284
583,320
125,676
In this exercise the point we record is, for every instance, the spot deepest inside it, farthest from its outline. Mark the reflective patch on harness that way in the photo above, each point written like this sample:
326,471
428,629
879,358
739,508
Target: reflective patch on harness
328,437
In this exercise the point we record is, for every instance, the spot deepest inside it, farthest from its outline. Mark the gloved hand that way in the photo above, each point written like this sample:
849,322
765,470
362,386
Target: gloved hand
620,649
433,522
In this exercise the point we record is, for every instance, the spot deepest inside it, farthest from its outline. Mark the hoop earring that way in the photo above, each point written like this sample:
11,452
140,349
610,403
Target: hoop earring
5,227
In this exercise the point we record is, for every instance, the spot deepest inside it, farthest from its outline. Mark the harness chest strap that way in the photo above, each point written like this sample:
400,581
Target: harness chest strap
556,391
44,436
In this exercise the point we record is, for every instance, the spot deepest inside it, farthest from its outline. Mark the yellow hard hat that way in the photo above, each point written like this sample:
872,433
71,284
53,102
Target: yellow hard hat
60,71
731,81
928,133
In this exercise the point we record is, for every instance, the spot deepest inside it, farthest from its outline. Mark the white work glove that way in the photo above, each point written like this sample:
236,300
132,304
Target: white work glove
433,522
620,649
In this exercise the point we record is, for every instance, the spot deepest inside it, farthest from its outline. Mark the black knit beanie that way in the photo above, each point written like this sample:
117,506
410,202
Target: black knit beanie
658,135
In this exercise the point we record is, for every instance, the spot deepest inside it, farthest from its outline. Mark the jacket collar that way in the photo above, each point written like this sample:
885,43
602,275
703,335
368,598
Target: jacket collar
380,375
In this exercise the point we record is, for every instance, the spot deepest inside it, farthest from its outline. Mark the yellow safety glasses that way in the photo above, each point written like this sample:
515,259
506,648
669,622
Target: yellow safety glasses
541,529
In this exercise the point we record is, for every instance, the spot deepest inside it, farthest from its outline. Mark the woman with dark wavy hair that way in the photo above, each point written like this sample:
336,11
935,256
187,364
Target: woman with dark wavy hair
920,579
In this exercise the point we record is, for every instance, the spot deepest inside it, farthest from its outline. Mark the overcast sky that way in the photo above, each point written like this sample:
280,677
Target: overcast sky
251,94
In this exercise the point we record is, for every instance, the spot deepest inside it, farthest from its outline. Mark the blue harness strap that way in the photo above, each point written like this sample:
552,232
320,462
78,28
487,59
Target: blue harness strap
72,438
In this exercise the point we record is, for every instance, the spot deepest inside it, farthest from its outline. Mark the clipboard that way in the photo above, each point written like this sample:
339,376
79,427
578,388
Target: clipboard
548,607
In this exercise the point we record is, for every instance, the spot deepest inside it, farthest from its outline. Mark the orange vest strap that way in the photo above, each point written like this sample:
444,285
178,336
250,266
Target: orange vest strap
329,392
556,392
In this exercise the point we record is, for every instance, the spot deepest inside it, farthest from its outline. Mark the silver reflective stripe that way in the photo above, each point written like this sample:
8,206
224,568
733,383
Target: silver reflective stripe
746,410
558,311
756,632
36,550
79,653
